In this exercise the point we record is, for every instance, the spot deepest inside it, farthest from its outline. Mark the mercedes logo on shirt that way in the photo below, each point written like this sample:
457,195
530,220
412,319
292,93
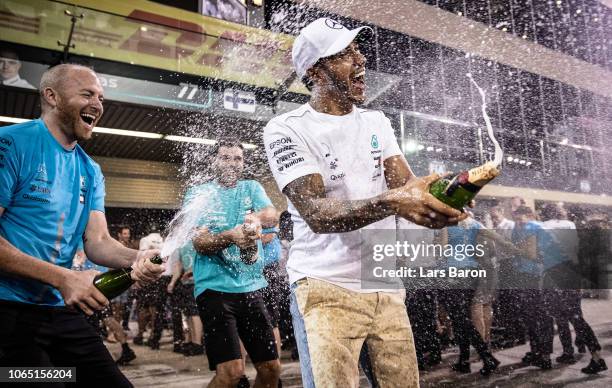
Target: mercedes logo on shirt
333,24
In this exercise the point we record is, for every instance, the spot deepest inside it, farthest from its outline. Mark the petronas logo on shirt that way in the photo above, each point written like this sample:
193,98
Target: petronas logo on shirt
374,141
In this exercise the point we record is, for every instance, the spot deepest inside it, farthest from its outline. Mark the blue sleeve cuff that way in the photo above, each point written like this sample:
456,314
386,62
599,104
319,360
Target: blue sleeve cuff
269,230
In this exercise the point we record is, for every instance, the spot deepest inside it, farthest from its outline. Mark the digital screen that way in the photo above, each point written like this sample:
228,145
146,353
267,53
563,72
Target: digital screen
230,10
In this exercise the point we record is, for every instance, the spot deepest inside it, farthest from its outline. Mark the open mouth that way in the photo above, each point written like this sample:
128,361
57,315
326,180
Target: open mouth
88,118
359,80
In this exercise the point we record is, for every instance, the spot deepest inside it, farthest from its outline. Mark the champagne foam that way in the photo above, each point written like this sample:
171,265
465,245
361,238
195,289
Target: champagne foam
499,154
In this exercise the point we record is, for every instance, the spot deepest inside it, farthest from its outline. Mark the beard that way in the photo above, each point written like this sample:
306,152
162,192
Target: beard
71,123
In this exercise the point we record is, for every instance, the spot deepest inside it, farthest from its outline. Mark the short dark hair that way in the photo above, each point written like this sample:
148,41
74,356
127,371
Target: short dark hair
523,211
228,142
550,211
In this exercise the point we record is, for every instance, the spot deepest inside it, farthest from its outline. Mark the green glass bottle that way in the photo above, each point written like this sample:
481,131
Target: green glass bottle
458,190
115,282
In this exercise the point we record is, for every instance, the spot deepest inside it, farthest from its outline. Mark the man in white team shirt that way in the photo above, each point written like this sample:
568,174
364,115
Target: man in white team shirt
342,170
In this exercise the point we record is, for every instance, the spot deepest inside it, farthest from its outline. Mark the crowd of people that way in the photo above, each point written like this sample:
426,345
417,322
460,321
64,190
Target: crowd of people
440,318
249,279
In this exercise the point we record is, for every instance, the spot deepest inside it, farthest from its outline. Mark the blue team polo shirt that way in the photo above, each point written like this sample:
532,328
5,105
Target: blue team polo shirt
187,256
271,249
225,208
47,193
549,251
463,235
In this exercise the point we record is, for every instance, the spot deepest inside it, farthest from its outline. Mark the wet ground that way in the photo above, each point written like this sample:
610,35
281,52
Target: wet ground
162,367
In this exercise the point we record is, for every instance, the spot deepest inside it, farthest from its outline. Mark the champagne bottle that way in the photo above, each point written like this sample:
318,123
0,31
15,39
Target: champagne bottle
115,282
458,190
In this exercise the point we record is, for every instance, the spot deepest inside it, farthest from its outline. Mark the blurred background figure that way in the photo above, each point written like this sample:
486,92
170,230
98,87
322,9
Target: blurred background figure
9,70
147,297
181,290
565,302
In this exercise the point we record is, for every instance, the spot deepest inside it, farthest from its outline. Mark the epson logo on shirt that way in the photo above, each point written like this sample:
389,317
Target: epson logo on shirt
284,140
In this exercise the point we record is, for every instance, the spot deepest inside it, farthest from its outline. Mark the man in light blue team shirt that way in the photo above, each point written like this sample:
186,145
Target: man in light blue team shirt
52,197
538,249
227,287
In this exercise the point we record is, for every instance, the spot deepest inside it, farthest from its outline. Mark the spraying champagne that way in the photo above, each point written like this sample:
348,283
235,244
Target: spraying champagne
458,190
249,255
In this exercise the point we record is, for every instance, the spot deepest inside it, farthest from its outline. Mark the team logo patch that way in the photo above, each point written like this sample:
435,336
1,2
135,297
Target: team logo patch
374,141
41,173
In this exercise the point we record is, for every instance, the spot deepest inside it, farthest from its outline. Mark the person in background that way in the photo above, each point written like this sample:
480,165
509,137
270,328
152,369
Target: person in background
147,296
529,234
564,301
501,224
181,289
121,305
9,70
481,310
422,303
458,296
285,325
272,272
160,297
228,270
508,306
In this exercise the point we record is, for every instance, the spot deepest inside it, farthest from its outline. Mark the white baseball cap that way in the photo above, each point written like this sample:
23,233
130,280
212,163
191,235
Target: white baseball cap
322,38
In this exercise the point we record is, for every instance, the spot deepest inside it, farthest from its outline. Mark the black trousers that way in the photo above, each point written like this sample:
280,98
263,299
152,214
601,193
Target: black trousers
536,313
509,316
457,303
566,309
42,336
161,287
422,309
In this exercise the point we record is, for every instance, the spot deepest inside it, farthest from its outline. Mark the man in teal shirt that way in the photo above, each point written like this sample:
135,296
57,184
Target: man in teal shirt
228,270
51,199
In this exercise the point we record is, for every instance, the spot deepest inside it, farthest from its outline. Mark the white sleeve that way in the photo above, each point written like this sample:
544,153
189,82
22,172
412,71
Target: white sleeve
288,155
390,145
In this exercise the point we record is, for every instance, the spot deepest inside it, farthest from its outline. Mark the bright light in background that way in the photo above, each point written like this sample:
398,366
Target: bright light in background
146,135
125,132
411,146
13,120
